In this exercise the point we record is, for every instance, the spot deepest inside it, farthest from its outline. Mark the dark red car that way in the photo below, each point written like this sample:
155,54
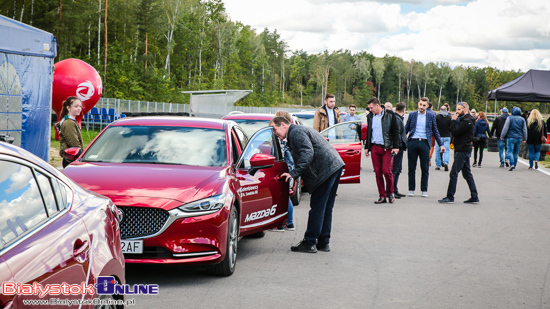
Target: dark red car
188,188
51,230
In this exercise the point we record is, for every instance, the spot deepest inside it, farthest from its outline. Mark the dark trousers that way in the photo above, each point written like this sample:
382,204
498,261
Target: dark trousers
479,145
382,163
396,169
321,202
418,149
461,163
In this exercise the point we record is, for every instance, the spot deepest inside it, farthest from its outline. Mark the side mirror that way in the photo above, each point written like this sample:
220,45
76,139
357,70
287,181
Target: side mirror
72,154
260,161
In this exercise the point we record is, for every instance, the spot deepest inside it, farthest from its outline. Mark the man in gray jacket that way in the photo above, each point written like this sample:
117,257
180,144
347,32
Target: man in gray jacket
514,131
320,166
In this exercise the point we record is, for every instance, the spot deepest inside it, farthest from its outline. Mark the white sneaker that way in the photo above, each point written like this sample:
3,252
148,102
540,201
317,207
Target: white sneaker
424,193
411,193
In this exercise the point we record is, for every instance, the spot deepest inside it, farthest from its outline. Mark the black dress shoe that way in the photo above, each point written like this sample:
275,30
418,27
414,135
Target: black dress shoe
381,200
399,195
391,198
303,246
323,247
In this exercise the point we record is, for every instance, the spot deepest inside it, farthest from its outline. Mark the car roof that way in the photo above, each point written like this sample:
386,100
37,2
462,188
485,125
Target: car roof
20,153
251,116
182,121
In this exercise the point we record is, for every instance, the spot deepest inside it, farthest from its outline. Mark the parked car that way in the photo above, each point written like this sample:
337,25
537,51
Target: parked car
188,188
51,230
252,122
306,117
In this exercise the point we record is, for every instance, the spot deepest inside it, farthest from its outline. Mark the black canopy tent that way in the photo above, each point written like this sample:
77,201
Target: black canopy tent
533,86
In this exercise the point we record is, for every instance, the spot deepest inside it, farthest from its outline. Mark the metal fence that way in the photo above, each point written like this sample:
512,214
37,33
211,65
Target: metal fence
132,106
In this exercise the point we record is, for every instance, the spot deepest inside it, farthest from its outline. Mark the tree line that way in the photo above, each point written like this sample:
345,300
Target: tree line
154,49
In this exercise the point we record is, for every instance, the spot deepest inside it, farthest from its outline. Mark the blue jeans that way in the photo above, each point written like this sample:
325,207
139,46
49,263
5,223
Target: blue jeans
501,151
290,218
321,202
447,143
415,150
534,153
512,150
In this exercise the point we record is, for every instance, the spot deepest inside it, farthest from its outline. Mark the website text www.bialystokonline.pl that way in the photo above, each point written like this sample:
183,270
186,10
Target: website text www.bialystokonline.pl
78,302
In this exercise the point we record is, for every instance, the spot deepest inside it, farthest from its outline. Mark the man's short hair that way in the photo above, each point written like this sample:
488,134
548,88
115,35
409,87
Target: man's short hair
443,108
424,99
352,105
329,96
430,104
400,107
278,120
374,101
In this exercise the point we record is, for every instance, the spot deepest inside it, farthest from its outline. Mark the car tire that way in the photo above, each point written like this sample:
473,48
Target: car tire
111,304
227,266
296,197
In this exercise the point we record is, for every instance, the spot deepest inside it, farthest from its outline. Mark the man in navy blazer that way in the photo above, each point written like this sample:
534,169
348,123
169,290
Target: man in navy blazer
420,127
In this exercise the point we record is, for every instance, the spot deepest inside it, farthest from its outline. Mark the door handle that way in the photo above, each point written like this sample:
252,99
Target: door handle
352,152
80,251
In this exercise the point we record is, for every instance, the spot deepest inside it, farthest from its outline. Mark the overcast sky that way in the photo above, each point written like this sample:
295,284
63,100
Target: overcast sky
506,34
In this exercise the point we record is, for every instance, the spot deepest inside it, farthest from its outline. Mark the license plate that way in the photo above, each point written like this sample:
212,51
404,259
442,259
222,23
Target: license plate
132,246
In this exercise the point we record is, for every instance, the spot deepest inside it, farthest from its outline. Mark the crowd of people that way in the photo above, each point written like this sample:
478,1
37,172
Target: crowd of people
388,136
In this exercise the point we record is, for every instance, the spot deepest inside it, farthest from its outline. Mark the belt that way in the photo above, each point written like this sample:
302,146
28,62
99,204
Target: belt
417,139
379,145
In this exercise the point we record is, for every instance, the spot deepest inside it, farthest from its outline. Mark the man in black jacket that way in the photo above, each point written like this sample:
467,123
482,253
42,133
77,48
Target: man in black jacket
320,166
383,141
443,120
462,128
496,130
398,158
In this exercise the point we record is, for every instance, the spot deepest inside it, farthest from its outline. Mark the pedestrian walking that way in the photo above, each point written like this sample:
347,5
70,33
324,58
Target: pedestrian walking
536,136
496,130
383,141
443,120
420,127
462,129
481,131
514,131
326,115
69,130
320,166
398,158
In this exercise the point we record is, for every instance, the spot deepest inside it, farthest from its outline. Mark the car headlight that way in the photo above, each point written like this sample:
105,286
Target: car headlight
200,207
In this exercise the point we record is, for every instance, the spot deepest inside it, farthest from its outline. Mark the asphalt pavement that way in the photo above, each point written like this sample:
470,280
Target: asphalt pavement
415,253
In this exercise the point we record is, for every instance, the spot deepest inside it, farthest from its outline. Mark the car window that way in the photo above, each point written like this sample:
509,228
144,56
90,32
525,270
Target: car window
342,133
263,143
47,193
307,119
21,205
61,193
235,147
250,126
241,136
160,145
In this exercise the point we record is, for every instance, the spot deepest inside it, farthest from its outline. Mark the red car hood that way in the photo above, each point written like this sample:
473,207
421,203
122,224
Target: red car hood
147,184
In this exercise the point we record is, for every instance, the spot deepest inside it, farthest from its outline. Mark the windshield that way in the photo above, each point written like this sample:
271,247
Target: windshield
307,120
159,145
250,126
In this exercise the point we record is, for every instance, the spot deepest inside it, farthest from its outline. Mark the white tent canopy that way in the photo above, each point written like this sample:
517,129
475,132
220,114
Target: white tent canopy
214,102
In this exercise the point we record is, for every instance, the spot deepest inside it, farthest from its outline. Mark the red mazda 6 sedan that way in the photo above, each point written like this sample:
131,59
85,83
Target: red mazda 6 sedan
187,188
52,231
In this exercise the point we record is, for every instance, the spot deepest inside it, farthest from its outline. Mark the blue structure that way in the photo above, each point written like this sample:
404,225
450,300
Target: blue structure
26,75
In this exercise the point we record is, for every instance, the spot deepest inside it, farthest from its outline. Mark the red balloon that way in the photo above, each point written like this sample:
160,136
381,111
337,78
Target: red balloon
74,77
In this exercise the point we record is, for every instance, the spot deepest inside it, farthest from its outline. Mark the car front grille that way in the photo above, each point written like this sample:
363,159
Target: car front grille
141,221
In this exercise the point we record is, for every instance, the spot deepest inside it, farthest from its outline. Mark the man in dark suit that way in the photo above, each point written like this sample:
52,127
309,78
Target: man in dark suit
420,127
